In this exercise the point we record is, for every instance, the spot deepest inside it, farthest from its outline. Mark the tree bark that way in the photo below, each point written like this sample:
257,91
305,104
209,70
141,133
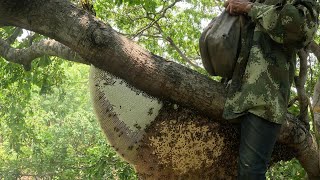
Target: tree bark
100,45
39,49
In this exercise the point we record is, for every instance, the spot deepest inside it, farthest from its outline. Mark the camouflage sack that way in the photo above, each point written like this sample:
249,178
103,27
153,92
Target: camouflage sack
220,44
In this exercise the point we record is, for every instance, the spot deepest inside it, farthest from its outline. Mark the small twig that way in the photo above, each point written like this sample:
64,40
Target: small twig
154,21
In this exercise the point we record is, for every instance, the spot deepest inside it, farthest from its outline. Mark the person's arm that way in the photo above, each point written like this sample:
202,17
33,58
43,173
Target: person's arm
292,24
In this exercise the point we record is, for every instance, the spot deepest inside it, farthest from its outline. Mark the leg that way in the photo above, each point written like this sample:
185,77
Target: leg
258,137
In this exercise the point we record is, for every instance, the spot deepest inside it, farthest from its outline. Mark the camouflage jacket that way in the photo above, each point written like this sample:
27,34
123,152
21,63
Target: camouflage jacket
265,69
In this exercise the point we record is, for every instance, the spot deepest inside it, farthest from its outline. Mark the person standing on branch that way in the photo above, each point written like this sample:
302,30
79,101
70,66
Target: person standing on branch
259,93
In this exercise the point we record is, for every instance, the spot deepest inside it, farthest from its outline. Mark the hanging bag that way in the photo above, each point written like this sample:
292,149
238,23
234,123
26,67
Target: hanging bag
220,44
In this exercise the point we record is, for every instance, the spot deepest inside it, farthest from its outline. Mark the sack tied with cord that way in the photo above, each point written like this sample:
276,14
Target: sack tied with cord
220,44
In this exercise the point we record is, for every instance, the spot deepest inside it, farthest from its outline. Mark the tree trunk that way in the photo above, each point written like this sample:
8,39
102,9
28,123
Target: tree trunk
101,46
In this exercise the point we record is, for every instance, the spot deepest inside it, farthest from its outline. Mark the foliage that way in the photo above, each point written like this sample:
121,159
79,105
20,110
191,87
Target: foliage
57,137
286,170
152,22
48,129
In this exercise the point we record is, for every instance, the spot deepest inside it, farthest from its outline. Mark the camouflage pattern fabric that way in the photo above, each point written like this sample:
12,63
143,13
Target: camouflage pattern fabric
268,66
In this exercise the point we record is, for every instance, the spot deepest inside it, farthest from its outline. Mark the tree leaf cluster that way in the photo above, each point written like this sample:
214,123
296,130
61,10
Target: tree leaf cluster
59,137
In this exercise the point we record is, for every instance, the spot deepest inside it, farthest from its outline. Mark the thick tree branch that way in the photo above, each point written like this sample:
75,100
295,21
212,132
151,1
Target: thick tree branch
316,102
315,48
300,83
316,112
44,47
295,135
104,48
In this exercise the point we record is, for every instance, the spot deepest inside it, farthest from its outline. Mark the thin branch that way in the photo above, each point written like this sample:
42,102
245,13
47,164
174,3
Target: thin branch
154,21
44,47
171,42
169,39
164,10
31,37
219,6
300,83
142,35
14,35
184,57
311,74
294,100
152,36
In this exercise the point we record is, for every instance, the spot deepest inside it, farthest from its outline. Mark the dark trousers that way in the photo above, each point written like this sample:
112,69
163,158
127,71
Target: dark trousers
258,137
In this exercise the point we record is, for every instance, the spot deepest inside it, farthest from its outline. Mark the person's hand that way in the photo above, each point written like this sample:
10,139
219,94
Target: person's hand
236,7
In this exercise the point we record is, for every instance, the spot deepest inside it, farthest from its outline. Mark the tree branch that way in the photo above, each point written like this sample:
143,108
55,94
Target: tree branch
14,35
171,42
154,21
315,48
184,57
295,135
316,103
292,101
44,47
300,83
316,114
